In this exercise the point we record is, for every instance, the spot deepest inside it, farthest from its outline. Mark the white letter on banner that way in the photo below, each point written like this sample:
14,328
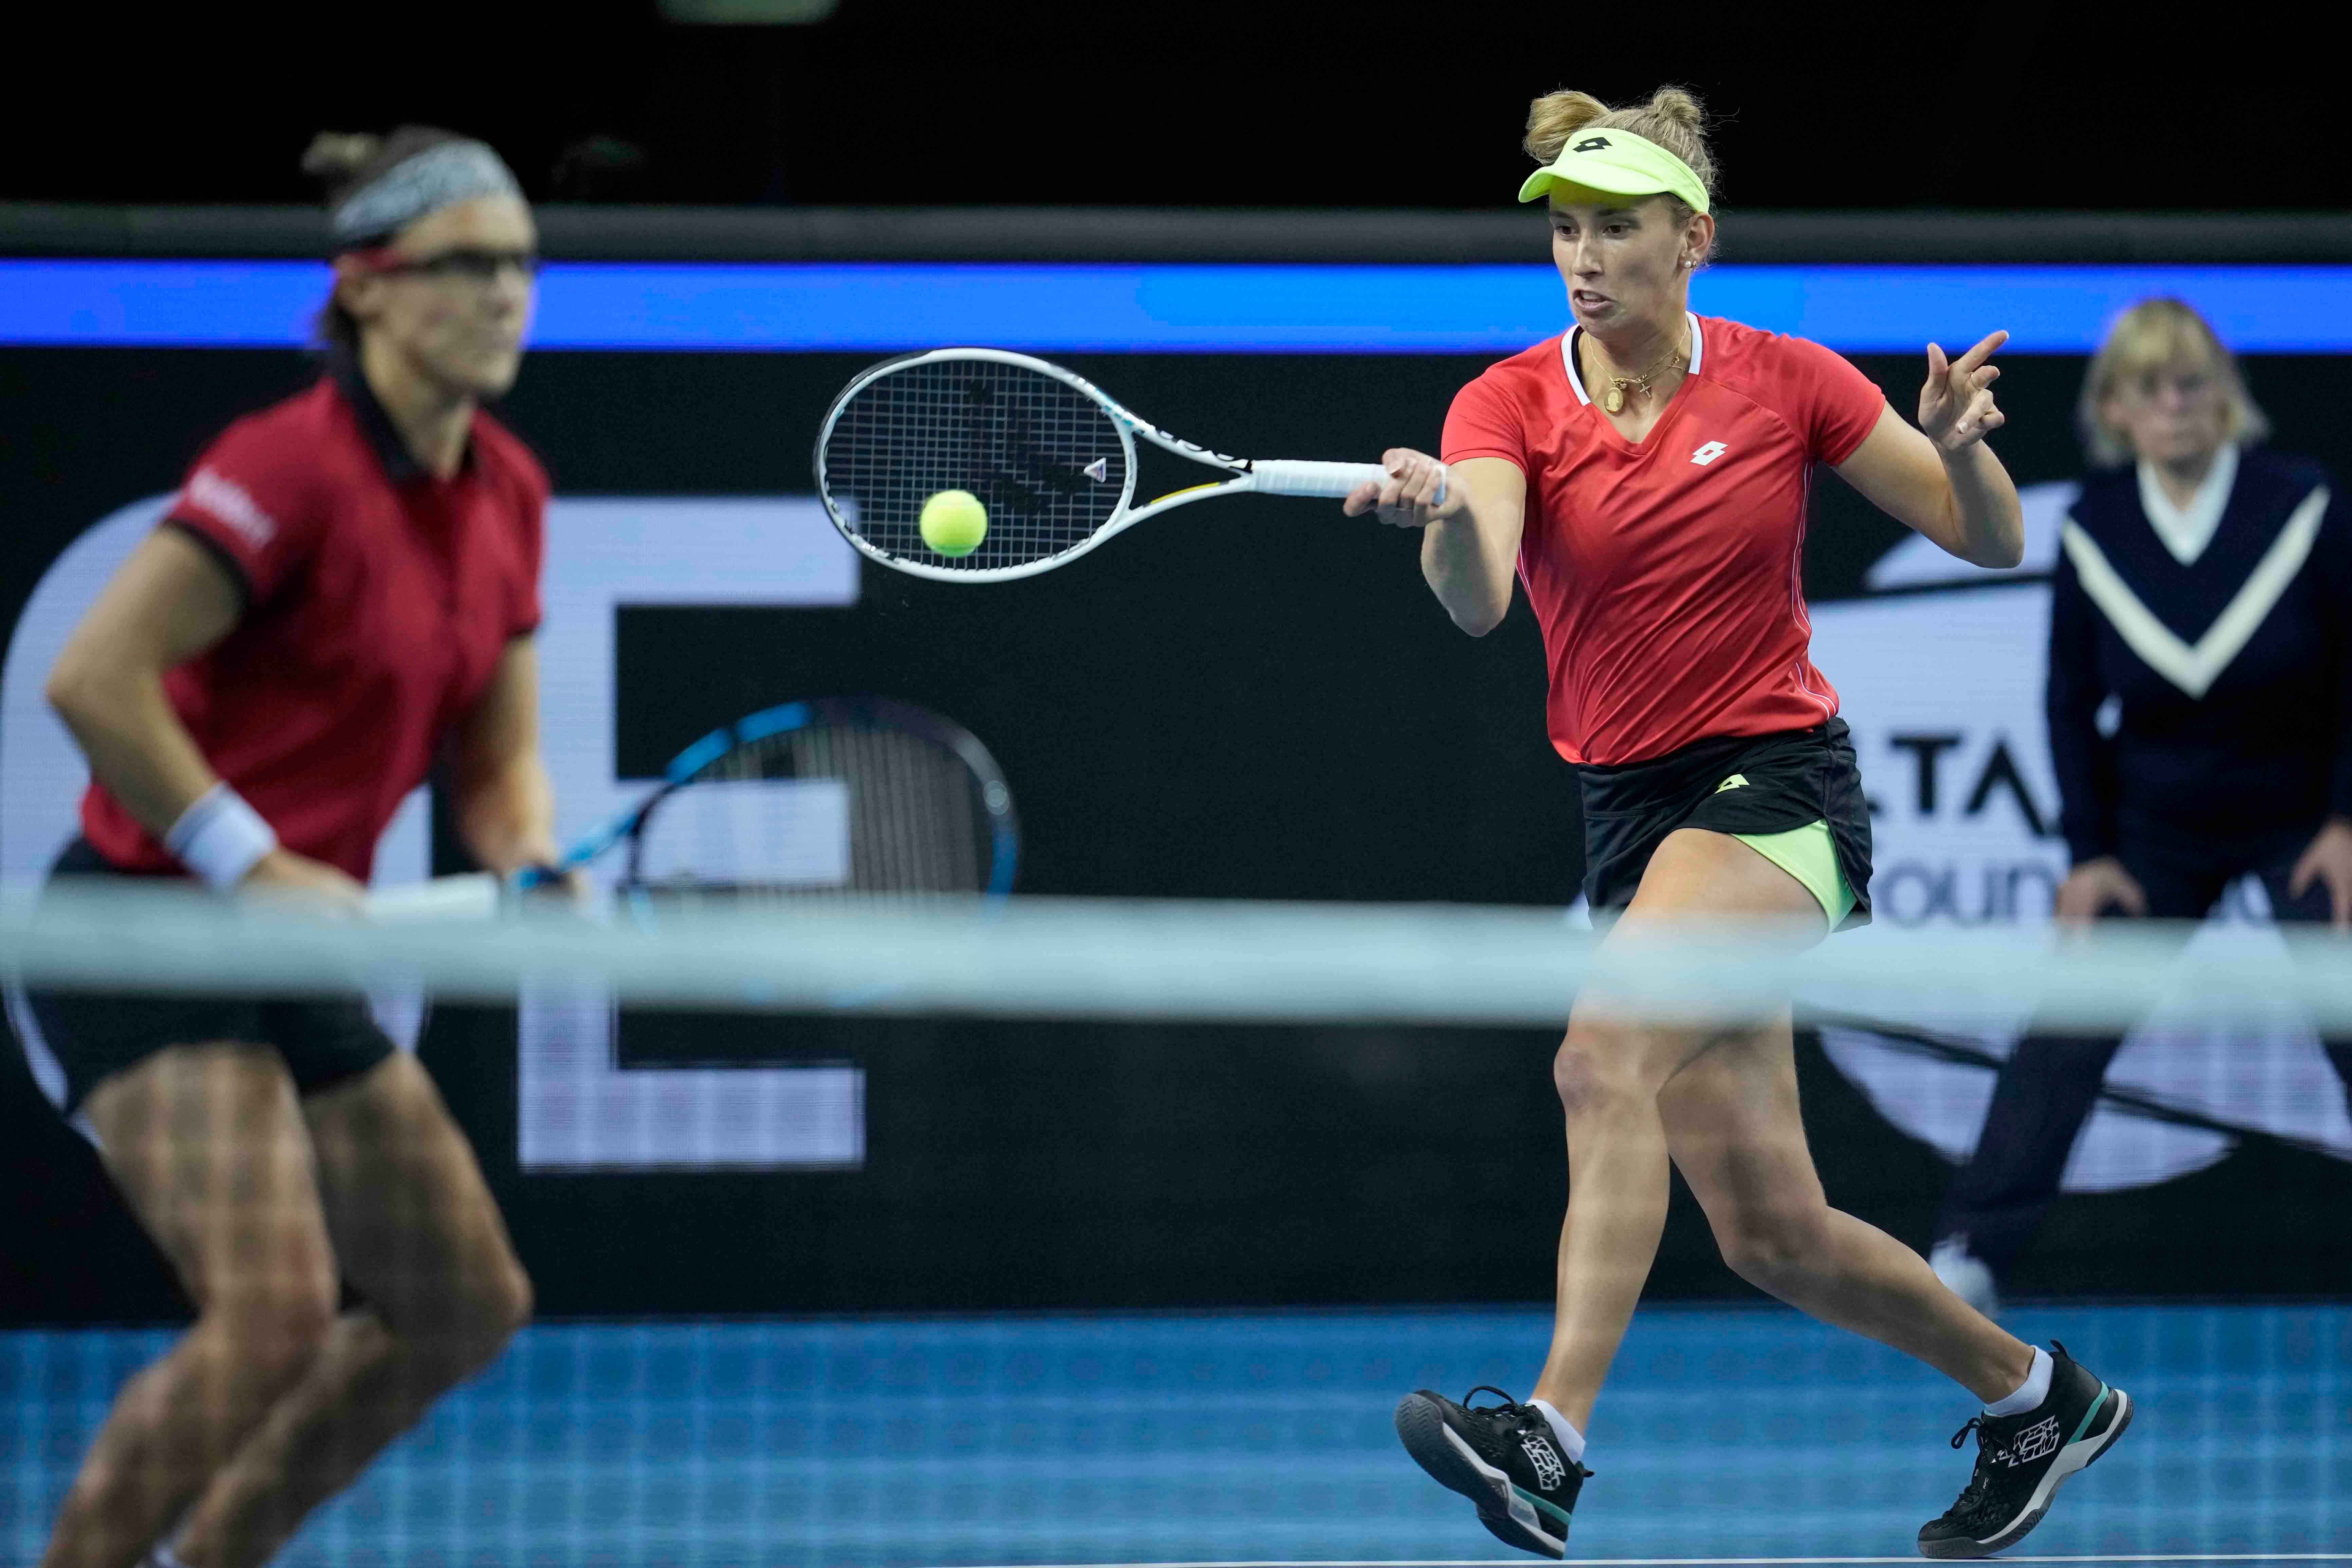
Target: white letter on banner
579,1109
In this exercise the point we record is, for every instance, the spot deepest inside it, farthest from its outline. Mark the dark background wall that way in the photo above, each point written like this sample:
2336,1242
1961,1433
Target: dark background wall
1216,102
1255,699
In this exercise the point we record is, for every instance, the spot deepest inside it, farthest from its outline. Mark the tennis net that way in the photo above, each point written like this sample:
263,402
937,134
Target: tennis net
930,1231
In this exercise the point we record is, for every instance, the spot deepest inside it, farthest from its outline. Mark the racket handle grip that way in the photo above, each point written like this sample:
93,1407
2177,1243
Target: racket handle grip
472,897
1332,480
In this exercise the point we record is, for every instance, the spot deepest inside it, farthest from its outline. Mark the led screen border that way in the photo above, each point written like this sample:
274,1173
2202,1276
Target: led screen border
1174,308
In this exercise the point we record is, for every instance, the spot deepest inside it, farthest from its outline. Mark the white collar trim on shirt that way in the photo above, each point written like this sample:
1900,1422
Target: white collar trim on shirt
2187,529
1698,352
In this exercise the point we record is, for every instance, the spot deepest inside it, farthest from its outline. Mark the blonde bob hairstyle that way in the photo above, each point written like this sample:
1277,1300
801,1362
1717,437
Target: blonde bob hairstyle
1672,118
2150,336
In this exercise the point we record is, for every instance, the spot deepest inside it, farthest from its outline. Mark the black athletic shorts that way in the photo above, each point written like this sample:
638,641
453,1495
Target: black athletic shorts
91,1035
1785,781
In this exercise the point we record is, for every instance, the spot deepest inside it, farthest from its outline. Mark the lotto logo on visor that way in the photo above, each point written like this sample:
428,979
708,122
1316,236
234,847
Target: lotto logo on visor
1591,144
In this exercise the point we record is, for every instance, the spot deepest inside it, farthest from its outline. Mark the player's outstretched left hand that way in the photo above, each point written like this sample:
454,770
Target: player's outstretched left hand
1418,491
1956,406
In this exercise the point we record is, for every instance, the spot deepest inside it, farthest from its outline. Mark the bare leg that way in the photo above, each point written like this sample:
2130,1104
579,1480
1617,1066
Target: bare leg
1608,1076
1610,1073
208,1147
1733,1126
423,1242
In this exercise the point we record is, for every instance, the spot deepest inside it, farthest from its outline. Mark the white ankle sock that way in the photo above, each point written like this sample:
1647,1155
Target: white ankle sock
1571,1441
2032,1392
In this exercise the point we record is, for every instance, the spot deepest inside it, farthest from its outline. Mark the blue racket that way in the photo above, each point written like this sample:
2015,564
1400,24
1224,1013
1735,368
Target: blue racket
837,797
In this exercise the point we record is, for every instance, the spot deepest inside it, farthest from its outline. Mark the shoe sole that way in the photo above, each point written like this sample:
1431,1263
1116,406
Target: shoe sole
2076,1458
1436,1449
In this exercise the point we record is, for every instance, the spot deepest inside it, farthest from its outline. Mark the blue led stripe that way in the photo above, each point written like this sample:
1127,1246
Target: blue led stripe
193,304
1171,308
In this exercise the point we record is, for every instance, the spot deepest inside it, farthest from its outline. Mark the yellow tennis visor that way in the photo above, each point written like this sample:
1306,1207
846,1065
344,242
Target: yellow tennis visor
1599,165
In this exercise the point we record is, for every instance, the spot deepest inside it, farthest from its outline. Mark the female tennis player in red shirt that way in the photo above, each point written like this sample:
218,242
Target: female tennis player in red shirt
1646,474
345,589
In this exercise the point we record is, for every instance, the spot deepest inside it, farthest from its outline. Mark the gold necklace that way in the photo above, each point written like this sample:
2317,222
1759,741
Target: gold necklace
1615,400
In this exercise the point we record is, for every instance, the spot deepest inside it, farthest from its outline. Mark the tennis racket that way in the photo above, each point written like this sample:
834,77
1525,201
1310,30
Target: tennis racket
1049,454
833,797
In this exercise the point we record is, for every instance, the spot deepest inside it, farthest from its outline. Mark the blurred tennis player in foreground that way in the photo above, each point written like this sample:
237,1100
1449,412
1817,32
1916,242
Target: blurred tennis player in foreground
345,589
1647,473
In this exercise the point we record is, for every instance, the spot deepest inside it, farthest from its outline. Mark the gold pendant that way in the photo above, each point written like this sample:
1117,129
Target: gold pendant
1615,401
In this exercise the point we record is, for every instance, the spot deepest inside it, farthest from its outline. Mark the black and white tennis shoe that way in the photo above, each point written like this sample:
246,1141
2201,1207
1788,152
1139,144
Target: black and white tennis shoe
1504,1458
2021,1460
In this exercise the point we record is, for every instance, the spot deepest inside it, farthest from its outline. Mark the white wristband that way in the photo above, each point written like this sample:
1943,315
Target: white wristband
220,837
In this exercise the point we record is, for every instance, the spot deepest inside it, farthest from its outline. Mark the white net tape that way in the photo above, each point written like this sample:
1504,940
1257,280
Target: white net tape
1079,958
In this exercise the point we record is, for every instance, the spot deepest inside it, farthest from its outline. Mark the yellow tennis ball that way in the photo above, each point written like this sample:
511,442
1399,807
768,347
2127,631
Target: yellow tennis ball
954,522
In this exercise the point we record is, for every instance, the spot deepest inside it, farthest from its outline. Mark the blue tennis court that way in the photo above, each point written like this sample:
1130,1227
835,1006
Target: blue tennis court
1742,1433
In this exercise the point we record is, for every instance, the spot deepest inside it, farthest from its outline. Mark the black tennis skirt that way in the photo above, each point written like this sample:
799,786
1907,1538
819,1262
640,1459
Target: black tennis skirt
91,1036
1794,779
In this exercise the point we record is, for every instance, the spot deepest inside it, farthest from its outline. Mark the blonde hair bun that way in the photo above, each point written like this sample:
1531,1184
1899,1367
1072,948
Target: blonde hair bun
1556,116
1678,105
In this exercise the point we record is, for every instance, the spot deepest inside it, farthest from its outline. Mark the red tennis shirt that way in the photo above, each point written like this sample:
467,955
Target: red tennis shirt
378,599
1666,574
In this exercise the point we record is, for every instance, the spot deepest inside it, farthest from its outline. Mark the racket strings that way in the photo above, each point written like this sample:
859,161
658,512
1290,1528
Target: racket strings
913,827
827,811
1046,459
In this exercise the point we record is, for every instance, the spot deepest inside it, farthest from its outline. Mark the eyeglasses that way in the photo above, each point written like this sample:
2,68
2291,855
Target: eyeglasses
2154,384
473,263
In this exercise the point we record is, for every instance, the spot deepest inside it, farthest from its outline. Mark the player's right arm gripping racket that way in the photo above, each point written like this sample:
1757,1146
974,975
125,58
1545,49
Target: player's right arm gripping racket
1048,453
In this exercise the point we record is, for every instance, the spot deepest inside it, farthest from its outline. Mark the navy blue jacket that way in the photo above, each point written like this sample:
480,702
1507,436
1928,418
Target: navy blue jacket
2233,672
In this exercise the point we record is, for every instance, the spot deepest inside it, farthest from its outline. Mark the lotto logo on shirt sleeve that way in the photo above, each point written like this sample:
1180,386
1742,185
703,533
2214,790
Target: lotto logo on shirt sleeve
217,496
1709,453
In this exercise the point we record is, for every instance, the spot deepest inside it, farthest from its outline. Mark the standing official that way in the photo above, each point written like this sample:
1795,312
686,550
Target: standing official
2204,590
